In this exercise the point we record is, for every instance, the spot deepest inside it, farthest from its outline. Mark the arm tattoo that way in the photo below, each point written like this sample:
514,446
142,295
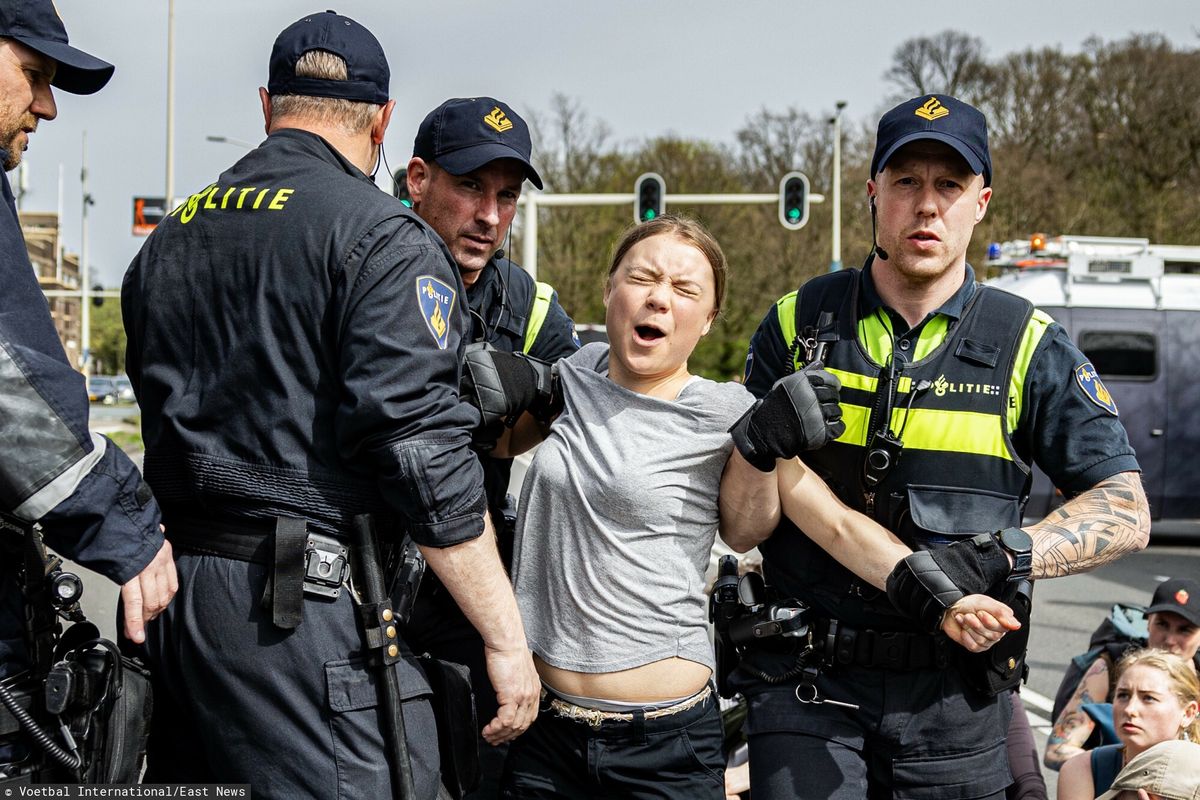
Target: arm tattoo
1073,727
1092,529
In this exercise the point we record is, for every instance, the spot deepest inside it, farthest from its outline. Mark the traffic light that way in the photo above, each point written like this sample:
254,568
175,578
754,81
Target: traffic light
793,201
650,192
400,186
97,299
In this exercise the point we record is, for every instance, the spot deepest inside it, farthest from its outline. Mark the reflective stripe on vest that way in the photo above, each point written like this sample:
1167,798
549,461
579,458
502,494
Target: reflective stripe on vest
930,430
537,314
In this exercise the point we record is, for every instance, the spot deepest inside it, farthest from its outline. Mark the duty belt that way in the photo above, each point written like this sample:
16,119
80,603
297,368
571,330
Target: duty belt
843,645
301,561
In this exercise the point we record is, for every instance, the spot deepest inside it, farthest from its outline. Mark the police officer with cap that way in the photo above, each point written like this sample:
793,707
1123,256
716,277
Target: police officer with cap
470,160
87,495
950,392
295,337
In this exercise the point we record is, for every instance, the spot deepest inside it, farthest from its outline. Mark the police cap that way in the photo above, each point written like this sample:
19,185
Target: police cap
368,75
939,117
464,133
36,24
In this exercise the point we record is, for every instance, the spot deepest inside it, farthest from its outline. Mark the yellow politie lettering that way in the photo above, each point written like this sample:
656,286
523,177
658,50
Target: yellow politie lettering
280,198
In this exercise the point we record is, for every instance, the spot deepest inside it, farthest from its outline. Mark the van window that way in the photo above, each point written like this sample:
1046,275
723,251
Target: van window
1121,354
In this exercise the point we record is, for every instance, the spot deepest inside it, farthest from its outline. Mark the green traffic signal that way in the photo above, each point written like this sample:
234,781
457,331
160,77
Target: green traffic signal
649,197
793,214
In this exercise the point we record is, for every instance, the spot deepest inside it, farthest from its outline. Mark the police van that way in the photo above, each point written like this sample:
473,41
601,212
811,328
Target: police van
1134,309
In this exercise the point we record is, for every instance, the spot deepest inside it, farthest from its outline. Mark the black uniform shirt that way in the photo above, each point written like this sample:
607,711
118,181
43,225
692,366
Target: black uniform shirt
295,337
1075,441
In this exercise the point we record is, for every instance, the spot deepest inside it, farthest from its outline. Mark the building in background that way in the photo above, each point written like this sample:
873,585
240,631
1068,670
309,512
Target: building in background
56,271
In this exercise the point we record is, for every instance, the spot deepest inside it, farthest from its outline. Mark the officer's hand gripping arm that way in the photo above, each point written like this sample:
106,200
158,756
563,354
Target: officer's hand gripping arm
928,582
800,413
503,385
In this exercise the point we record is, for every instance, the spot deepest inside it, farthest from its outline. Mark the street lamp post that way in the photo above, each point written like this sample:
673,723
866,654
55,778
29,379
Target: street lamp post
835,262
85,273
170,188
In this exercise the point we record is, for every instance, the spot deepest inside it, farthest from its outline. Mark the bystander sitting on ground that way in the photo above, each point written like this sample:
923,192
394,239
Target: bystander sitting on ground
1156,700
1173,618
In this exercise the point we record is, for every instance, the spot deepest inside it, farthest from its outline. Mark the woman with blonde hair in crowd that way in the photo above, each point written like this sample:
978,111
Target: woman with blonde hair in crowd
1157,699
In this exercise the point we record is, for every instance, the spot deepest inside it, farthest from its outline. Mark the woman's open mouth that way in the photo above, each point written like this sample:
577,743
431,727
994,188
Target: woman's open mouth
648,334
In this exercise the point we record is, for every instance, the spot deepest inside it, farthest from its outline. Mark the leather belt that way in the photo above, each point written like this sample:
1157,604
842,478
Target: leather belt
595,718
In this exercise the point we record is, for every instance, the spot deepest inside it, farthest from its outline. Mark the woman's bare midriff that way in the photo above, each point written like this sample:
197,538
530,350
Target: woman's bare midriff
661,680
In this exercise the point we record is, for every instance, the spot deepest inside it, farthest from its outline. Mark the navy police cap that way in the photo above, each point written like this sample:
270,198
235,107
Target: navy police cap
36,24
941,118
368,74
464,133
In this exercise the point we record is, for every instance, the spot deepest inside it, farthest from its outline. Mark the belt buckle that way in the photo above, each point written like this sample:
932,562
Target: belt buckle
326,565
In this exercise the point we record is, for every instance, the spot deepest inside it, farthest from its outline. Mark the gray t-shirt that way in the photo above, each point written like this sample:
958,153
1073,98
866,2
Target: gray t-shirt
617,517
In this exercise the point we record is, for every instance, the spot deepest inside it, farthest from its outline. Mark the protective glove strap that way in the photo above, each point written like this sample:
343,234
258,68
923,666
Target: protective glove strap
919,588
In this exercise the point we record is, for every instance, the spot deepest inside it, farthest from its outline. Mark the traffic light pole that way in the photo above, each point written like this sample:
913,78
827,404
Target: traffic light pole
532,201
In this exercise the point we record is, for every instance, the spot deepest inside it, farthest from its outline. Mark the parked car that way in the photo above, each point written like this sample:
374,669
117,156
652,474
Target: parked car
102,390
124,389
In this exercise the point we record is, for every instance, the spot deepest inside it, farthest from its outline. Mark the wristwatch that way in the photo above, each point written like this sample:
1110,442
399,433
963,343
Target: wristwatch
1019,545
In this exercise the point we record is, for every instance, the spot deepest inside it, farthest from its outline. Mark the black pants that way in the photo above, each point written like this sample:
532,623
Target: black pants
677,756
917,735
292,713
437,627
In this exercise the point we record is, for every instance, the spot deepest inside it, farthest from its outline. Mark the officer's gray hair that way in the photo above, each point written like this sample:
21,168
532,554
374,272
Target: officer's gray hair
352,116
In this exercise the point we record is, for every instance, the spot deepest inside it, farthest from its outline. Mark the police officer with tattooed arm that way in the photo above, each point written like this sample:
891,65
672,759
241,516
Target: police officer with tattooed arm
295,336
950,391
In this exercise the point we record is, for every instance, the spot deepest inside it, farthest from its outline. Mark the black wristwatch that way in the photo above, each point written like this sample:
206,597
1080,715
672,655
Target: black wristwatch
1019,544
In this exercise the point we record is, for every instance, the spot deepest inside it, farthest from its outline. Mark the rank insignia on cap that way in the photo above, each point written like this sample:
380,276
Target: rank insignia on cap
497,120
932,109
1181,597
1089,381
436,301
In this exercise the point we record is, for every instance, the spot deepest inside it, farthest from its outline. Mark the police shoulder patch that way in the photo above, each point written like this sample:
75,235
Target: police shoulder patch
436,301
1089,381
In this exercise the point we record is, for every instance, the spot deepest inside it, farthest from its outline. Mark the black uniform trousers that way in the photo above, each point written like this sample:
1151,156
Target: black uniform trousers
292,713
917,735
675,757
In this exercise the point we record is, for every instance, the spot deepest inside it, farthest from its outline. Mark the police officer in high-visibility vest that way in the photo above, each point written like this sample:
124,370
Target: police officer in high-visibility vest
950,392
295,338
470,160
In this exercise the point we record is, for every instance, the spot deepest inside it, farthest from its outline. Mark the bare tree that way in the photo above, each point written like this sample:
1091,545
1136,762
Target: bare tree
950,62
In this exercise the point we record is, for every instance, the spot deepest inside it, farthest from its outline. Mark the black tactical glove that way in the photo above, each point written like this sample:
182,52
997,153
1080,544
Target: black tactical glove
505,385
801,412
926,583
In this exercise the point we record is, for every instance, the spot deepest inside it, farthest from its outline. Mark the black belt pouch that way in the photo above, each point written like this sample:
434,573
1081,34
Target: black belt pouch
1003,667
458,729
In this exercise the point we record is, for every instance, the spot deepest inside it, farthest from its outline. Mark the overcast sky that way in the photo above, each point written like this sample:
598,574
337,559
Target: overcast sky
694,68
